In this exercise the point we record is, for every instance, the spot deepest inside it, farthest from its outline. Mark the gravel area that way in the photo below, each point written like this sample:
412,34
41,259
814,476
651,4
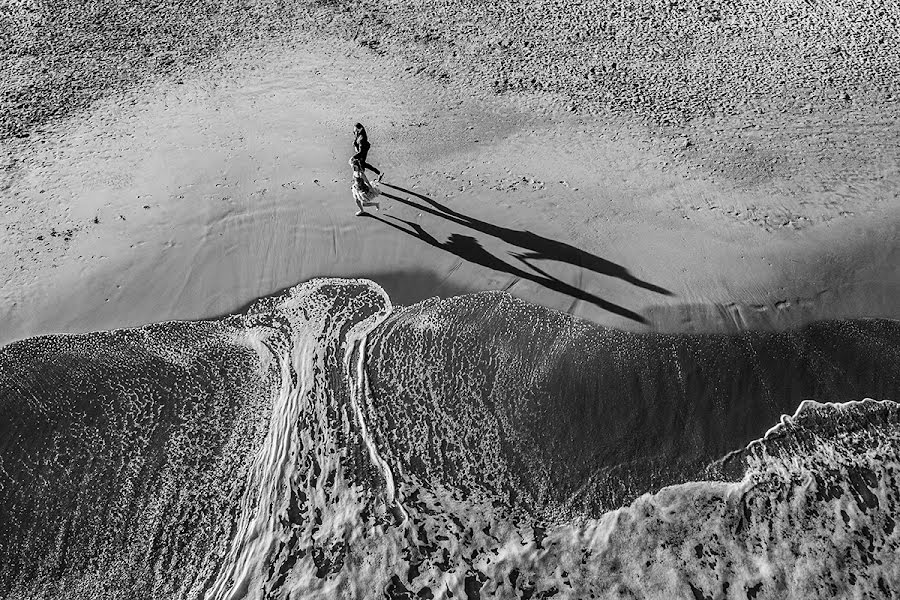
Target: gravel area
666,61
58,56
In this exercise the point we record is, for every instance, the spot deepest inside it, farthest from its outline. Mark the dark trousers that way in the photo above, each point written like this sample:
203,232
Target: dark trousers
361,157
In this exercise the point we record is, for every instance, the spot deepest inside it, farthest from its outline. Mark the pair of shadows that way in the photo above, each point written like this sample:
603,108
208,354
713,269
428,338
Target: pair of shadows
539,248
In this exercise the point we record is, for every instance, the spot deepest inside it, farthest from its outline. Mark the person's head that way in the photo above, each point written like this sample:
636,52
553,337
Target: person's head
356,164
358,127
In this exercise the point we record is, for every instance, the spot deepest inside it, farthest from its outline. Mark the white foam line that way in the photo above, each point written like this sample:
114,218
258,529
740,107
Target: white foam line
362,388
271,467
809,405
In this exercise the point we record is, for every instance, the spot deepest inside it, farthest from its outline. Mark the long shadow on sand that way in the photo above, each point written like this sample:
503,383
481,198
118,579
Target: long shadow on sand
540,248
469,249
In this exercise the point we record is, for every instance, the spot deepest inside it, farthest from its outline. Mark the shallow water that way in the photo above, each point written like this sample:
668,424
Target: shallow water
328,444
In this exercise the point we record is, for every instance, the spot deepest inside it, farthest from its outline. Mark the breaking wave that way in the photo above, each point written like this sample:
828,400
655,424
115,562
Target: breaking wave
328,444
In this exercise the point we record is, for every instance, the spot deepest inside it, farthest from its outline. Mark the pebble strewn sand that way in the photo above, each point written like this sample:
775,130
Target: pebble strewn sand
665,62
670,61
59,56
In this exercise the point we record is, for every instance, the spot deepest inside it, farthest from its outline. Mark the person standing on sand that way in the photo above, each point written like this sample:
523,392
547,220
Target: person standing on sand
364,192
361,145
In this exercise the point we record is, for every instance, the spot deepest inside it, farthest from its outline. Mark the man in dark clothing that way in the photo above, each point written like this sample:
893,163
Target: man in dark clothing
361,145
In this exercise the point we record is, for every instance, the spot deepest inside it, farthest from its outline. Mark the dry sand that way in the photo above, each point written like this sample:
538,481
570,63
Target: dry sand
190,193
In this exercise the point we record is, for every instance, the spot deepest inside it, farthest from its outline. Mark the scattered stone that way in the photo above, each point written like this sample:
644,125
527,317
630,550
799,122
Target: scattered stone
663,62
60,57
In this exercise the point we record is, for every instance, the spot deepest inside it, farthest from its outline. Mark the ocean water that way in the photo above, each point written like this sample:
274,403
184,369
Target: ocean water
329,445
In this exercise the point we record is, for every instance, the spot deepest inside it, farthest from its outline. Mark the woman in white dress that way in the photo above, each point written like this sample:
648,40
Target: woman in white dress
364,191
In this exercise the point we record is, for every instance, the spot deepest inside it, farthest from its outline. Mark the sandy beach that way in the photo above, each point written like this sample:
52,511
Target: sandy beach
194,193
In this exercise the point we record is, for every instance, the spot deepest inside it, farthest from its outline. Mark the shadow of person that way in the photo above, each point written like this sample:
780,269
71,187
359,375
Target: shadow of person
469,249
540,247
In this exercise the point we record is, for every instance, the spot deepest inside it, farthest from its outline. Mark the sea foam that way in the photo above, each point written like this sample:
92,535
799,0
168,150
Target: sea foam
328,444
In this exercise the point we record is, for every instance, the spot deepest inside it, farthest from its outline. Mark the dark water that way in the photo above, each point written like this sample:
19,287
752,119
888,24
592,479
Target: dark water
553,412
327,444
